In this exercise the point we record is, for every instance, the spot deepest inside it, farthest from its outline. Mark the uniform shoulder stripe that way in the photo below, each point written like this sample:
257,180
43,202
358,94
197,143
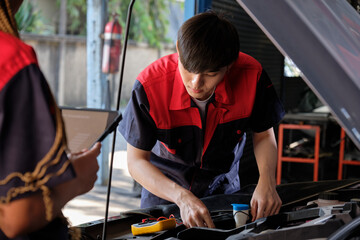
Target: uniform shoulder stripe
15,55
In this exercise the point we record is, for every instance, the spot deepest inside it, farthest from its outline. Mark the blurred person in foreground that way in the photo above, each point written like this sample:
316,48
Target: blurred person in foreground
37,175
186,120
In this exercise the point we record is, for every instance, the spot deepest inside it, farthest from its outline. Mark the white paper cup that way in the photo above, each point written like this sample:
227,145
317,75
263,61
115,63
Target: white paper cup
240,213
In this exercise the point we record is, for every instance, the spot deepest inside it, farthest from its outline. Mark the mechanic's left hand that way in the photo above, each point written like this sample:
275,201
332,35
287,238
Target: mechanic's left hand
265,200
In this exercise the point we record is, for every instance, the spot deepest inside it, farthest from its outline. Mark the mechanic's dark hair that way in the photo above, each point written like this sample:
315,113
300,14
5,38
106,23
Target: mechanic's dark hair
207,42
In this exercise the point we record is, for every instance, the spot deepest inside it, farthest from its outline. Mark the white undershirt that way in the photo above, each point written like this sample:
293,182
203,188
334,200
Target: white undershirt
202,105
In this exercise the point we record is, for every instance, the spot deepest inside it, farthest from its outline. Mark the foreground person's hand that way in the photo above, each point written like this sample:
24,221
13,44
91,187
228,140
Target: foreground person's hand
86,166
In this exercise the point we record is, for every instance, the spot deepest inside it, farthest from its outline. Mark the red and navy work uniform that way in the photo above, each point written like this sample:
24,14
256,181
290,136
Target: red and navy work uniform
162,118
27,126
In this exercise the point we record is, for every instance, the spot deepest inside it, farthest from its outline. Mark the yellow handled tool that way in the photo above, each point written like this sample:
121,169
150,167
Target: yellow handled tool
153,226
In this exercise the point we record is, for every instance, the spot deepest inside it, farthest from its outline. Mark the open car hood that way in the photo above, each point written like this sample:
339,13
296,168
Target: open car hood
323,39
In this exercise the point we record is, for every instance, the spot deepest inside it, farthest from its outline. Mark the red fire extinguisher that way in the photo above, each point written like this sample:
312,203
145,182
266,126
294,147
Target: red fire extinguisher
112,46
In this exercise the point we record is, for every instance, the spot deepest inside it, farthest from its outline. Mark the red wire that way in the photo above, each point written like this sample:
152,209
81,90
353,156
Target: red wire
145,220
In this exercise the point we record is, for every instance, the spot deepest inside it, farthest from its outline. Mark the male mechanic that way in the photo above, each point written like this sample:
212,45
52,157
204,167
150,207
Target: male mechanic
187,117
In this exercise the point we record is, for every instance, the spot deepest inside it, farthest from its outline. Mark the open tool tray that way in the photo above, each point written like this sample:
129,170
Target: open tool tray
296,220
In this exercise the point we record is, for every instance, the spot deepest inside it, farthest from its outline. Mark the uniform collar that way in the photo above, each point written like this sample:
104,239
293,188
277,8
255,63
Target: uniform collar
180,99
223,93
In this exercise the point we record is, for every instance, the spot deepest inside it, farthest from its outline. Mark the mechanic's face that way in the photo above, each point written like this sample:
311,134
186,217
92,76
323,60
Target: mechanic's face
201,85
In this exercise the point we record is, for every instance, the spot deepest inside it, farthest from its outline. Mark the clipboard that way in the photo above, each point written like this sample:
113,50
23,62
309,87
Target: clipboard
86,126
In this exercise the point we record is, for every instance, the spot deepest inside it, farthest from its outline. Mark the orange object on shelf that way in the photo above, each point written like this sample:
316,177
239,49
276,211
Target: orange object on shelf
343,161
282,158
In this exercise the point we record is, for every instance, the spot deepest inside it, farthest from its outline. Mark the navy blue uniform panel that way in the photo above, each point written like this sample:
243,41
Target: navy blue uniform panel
228,183
268,109
190,177
179,144
177,172
137,121
220,153
27,128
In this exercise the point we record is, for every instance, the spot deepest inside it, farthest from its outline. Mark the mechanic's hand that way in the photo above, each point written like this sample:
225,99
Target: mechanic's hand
265,200
193,211
86,166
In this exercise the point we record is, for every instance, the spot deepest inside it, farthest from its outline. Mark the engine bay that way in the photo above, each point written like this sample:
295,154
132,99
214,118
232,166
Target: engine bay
310,210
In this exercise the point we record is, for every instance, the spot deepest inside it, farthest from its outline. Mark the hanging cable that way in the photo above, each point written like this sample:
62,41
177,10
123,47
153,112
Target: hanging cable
117,109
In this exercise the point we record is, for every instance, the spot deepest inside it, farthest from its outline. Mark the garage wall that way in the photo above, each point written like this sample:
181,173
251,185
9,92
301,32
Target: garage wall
138,56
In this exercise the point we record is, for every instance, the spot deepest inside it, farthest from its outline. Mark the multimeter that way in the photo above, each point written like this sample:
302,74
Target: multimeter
152,226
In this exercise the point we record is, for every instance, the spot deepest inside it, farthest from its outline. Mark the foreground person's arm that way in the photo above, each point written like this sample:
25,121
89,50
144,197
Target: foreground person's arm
193,212
27,214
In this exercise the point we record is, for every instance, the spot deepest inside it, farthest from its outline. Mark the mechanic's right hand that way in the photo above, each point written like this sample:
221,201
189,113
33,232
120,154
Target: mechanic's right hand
193,211
86,166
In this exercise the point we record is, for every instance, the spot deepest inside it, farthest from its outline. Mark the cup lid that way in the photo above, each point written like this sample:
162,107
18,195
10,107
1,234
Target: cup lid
238,207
